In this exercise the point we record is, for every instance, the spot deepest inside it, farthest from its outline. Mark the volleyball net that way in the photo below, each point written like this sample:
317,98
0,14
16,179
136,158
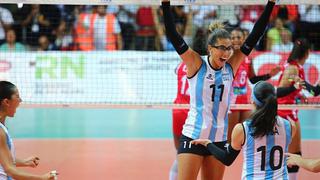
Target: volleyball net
114,54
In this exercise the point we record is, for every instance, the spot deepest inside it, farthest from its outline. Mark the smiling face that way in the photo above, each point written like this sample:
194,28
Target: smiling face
237,38
220,52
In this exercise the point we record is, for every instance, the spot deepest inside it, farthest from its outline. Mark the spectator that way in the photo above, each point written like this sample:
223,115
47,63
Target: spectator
184,30
83,36
286,43
45,45
288,14
126,17
310,24
63,37
6,21
228,15
11,44
273,34
249,15
146,33
106,30
202,15
35,22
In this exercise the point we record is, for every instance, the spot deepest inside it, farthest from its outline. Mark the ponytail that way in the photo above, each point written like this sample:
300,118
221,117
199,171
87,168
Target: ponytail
265,117
300,49
217,31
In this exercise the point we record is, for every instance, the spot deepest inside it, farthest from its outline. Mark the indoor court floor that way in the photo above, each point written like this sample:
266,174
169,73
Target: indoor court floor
117,144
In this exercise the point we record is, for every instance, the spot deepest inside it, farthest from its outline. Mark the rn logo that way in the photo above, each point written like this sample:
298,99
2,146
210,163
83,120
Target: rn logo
64,67
225,77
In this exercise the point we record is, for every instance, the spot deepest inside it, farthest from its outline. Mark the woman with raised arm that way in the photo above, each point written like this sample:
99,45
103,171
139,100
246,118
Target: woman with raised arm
210,84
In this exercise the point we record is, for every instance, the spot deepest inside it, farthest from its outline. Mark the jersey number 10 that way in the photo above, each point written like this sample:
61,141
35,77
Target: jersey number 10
271,157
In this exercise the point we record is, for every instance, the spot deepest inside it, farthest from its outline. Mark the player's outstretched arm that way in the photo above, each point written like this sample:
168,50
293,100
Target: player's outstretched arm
231,152
190,57
253,37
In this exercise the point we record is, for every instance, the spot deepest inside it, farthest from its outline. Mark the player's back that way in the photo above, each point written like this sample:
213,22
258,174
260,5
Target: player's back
264,157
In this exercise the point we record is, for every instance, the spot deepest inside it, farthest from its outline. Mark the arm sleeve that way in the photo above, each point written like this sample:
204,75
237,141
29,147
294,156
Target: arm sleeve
257,30
226,156
175,38
314,90
256,79
284,91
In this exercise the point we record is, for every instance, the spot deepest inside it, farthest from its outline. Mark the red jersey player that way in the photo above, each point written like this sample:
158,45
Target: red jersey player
290,84
179,116
244,73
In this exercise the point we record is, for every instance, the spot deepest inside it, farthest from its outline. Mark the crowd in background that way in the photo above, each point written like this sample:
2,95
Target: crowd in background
131,27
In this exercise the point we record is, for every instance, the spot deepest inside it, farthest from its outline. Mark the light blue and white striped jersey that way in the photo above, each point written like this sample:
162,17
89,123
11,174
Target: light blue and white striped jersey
210,92
263,158
3,175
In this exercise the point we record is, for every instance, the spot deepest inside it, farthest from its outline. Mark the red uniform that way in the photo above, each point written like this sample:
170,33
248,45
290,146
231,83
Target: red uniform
179,116
239,95
291,98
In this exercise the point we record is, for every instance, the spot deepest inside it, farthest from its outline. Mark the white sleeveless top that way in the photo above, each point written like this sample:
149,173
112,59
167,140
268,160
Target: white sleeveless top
263,158
3,175
210,91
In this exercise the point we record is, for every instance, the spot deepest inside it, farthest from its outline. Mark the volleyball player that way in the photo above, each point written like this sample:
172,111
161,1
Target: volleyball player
291,83
179,116
264,138
244,73
210,83
10,100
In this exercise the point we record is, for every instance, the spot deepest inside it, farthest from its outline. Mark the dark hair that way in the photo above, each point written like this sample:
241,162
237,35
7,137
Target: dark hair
264,118
238,29
6,90
200,42
217,31
299,50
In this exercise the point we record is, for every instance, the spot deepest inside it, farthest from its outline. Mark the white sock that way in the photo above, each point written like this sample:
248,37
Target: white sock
174,171
293,176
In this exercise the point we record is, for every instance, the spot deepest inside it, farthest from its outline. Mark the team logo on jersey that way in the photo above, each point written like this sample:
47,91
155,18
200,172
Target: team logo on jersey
225,77
210,77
